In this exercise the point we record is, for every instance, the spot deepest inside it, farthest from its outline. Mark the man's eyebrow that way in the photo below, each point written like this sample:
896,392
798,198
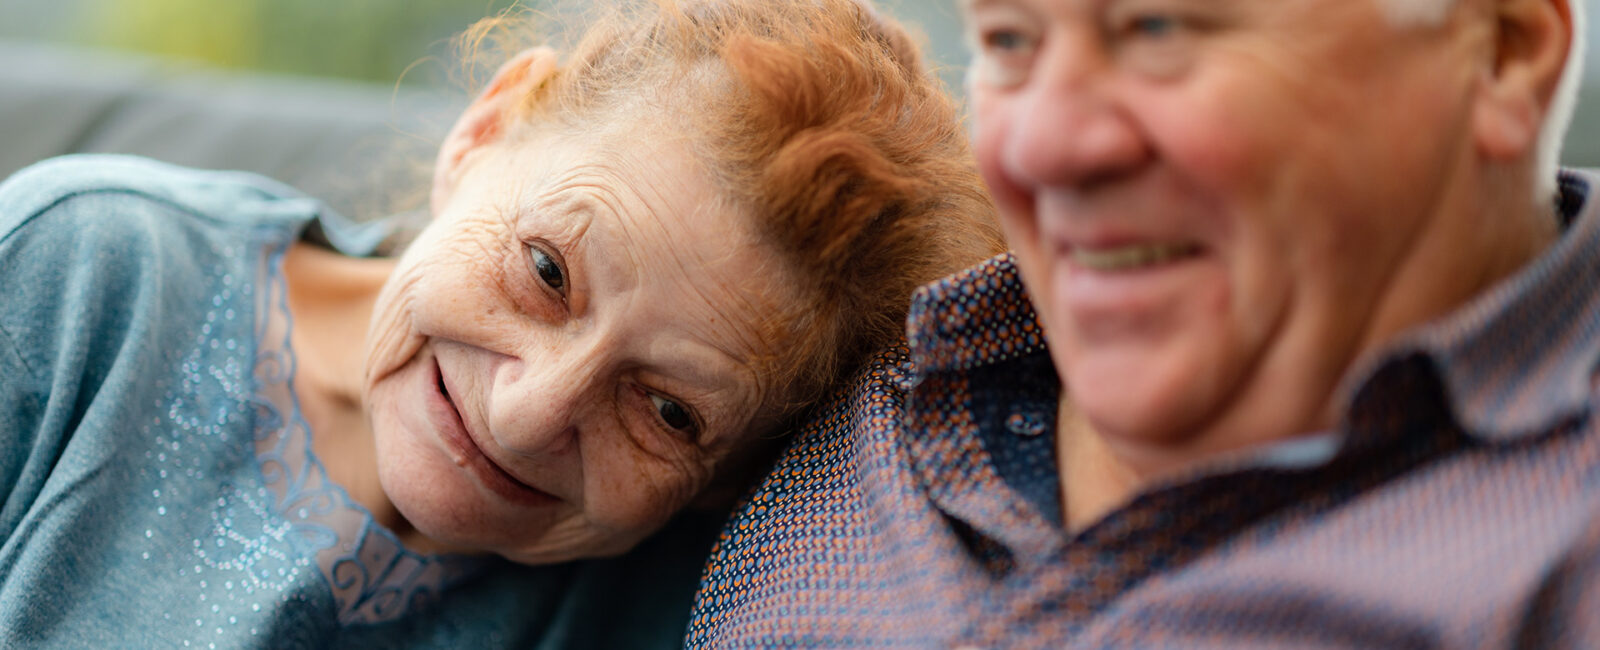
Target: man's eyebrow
969,6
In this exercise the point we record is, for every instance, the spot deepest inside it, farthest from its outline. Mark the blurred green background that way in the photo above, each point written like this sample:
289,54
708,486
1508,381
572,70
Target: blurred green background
408,41
375,40
364,39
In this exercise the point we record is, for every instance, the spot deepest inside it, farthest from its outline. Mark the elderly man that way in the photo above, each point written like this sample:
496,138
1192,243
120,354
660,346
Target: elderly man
1326,323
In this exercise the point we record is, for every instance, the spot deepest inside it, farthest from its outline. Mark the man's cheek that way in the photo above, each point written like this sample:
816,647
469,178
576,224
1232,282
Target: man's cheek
988,146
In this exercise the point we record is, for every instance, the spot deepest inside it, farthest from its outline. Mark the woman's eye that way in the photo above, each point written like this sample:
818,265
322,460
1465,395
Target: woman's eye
674,415
547,269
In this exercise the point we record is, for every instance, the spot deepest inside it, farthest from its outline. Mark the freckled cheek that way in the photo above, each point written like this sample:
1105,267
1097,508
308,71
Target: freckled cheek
457,287
391,338
637,492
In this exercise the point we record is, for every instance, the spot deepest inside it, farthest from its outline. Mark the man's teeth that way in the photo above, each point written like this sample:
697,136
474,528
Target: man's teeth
1130,257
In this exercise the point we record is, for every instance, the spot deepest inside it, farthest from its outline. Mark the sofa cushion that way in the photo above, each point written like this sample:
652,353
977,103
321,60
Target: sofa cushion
364,148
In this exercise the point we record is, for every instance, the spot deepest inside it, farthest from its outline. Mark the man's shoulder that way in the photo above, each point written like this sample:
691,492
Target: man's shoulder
1563,614
870,405
806,532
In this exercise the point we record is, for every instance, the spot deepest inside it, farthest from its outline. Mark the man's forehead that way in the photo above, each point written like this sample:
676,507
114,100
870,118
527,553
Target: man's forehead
1400,11
969,5
1403,13
1399,14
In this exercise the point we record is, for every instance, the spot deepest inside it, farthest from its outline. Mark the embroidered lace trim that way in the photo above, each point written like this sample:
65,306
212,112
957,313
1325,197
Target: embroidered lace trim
374,578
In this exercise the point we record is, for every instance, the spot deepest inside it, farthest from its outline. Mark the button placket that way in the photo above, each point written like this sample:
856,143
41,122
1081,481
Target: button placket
1026,424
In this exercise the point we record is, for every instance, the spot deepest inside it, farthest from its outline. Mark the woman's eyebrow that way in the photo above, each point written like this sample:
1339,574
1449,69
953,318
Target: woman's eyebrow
725,391
708,367
587,186
565,198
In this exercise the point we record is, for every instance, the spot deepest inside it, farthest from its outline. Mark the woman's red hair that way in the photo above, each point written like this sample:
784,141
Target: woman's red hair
818,119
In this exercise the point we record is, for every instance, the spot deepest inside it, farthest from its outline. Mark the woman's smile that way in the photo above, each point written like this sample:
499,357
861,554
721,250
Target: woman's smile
562,334
444,414
603,316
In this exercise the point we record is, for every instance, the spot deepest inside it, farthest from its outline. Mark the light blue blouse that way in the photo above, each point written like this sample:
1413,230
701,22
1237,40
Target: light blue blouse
158,484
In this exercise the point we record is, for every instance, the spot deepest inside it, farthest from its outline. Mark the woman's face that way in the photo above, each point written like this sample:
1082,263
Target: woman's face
561,359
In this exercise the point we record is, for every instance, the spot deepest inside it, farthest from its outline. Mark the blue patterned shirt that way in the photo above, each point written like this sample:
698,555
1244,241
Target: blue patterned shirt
1456,505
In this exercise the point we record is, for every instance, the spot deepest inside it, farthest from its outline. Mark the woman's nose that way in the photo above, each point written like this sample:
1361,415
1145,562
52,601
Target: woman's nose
539,402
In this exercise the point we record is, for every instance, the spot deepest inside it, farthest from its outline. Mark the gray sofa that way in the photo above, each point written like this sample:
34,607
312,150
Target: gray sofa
1582,148
365,149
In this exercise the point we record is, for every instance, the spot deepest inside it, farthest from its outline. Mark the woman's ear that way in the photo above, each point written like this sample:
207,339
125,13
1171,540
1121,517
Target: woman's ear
486,119
1531,42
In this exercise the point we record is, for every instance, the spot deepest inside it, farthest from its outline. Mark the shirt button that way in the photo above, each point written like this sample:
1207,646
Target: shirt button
1027,425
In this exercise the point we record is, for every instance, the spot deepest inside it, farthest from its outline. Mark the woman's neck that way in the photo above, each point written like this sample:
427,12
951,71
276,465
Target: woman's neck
330,298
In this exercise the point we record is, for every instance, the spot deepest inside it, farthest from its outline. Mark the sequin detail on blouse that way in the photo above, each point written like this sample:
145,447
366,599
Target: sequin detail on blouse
264,535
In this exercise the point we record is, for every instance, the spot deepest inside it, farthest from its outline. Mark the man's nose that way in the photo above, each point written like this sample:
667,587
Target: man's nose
1069,126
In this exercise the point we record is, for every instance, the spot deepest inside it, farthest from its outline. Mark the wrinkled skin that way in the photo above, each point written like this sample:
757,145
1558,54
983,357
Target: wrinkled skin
1219,206
591,314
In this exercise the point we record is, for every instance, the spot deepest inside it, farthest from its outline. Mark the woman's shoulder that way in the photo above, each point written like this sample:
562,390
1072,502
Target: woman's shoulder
96,250
105,195
99,232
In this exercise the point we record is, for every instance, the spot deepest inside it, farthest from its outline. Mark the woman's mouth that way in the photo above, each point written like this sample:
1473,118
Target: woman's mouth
466,452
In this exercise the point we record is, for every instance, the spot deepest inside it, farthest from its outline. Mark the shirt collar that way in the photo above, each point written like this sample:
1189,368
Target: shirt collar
1516,361
1519,360
977,317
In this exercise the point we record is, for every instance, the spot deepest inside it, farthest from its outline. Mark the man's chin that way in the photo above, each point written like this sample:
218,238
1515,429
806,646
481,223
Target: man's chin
1133,411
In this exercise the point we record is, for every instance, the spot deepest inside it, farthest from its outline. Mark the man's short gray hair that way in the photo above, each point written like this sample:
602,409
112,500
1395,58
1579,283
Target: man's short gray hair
1403,13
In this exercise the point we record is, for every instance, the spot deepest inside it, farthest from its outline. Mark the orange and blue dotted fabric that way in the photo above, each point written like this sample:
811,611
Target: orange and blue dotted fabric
1457,504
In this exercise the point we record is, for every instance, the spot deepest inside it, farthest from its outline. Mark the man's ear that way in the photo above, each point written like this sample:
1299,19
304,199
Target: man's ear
487,118
1531,41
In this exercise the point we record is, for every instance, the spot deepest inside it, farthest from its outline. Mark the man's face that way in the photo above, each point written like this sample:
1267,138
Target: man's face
1209,199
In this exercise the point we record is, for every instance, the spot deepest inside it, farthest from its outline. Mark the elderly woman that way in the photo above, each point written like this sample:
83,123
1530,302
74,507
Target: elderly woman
224,425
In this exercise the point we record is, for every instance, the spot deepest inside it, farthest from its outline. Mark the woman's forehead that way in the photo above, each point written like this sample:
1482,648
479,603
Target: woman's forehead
644,212
688,290
658,257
